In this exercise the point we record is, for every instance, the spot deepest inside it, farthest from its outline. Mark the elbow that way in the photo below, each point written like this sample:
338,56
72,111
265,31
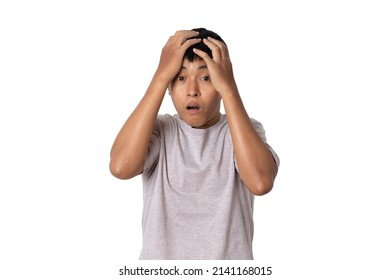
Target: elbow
262,190
261,186
123,171
263,182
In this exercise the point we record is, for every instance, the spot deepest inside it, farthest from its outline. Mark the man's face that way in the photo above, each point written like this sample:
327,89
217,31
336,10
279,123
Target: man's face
194,96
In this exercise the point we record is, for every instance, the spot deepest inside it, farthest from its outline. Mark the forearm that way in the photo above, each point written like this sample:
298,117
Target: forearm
131,144
254,160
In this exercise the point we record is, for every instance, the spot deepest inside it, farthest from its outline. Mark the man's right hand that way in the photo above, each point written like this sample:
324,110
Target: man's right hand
172,54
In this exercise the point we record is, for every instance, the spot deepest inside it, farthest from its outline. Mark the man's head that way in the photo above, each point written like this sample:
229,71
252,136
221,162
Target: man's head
193,94
203,34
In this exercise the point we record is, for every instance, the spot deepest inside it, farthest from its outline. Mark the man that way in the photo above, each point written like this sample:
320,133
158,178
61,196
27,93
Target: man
201,169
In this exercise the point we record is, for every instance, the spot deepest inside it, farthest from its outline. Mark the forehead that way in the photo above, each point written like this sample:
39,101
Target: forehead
196,65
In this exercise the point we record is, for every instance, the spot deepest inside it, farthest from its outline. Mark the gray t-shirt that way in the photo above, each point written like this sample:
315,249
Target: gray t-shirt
195,205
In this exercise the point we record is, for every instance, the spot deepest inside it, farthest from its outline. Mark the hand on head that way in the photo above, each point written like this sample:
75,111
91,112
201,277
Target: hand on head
172,54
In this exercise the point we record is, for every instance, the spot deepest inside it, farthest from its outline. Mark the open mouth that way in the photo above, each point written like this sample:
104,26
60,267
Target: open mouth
193,107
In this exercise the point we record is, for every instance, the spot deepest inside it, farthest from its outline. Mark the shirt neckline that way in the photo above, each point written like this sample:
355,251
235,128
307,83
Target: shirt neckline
199,131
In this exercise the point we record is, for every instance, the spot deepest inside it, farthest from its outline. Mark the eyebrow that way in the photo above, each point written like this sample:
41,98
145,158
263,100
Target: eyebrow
199,68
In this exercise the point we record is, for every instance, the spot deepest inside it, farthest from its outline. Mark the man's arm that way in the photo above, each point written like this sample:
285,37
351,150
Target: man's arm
255,161
131,144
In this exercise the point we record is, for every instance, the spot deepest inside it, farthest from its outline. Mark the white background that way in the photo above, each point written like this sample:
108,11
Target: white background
315,73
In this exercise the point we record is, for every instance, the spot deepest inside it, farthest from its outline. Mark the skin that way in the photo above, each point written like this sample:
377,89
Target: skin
192,88
202,85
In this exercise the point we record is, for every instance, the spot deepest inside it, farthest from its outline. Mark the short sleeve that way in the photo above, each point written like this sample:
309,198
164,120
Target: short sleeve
153,148
261,132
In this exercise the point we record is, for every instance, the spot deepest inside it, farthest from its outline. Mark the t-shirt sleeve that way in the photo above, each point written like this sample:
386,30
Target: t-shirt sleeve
153,148
261,132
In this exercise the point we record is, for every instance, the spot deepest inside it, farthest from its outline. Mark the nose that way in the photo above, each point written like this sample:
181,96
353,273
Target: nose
193,94
192,89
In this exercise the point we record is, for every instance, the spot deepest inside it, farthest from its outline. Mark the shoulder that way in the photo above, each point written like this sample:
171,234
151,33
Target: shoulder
165,124
164,121
259,128
256,122
164,118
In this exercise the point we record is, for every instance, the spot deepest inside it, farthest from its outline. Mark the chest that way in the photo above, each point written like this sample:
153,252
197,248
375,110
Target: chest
199,162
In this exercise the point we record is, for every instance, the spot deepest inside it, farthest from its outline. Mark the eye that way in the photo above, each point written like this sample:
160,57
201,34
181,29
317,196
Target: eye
205,78
180,78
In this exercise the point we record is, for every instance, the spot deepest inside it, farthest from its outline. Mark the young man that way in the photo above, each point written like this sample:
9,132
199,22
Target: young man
201,169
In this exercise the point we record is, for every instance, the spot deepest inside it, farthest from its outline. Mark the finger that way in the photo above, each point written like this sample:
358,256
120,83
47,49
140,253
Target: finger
185,35
217,42
221,45
215,50
203,55
190,42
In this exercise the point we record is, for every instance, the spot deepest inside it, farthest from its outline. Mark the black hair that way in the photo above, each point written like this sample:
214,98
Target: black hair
203,34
